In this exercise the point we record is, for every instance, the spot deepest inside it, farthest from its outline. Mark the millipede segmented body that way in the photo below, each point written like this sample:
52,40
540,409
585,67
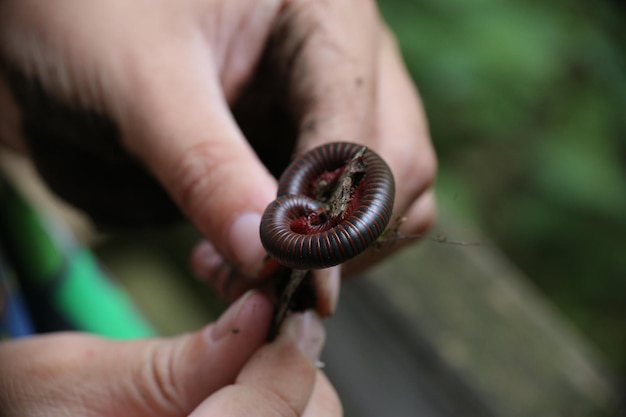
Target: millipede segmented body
295,229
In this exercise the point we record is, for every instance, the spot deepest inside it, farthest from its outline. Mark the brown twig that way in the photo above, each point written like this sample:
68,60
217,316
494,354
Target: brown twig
441,238
296,277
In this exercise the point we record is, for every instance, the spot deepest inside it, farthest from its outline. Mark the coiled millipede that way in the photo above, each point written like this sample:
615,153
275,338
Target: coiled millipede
304,228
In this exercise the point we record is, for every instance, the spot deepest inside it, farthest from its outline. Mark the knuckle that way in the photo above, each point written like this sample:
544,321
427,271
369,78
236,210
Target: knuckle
388,37
421,215
157,388
428,167
417,172
194,179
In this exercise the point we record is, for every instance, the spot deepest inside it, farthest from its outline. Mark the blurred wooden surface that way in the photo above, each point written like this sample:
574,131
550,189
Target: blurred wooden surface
443,330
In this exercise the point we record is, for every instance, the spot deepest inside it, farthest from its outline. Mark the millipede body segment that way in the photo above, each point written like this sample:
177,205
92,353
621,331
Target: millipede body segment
297,228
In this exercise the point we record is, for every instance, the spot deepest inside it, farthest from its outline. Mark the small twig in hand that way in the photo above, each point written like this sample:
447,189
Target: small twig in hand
392,234
339,200
282,309
441,238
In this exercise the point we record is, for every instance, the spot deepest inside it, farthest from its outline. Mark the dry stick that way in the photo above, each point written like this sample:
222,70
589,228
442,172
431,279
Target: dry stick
282,309
438,239
337,204
391,234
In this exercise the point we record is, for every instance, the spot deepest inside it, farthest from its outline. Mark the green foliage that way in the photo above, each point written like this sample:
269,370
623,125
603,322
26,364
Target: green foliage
527,106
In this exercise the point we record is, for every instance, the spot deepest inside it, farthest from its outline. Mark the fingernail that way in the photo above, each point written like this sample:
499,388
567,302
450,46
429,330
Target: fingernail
245,243
307,331
333,288
327,283
205,260
222,280
227,323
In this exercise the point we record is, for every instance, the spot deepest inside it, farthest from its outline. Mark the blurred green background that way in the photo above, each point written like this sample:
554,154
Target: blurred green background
526,102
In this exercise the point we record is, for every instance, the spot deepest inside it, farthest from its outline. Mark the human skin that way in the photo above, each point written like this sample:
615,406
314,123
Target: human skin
169,74
225,369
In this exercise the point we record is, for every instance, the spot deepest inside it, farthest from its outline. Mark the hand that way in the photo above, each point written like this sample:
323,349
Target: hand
222,370
169,73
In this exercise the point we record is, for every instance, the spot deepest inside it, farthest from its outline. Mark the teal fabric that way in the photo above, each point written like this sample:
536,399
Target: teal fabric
64,286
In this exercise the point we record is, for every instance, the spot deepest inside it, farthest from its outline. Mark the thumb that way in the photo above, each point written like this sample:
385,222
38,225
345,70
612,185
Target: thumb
279,379
180,126
76,374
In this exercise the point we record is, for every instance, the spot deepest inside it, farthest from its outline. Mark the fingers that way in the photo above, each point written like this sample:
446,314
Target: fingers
221,368
180,126
164,72
367,97
391,121
279,379
209,266
172,377
404,142
74,374
327,283
328,64
403,137
287,366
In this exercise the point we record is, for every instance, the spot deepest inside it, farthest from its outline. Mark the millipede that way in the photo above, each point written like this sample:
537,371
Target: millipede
297,229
